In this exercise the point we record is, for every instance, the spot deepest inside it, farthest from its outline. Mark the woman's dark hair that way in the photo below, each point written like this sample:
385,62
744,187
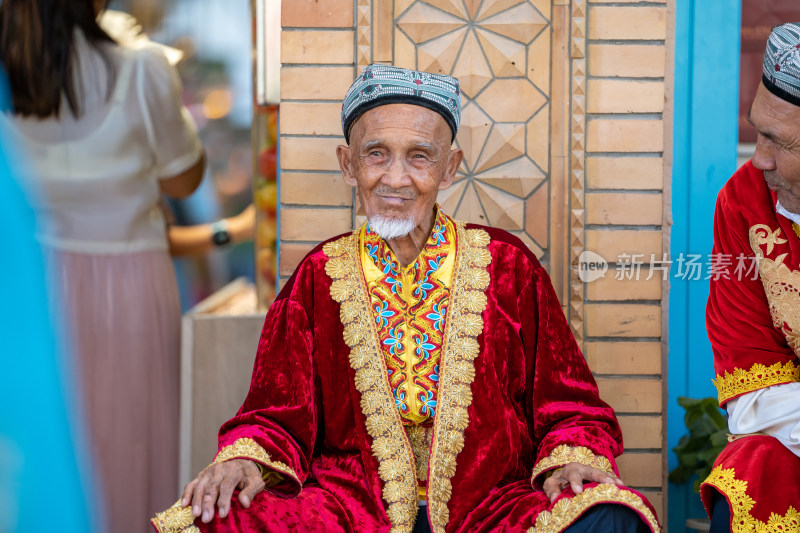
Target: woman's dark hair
37,49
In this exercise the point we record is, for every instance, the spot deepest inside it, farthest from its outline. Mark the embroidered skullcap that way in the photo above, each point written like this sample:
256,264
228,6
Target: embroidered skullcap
782,63
379,85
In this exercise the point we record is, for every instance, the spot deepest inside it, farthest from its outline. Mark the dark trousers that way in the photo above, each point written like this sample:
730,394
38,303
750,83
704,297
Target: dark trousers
609,518
422,525
598,519
720,515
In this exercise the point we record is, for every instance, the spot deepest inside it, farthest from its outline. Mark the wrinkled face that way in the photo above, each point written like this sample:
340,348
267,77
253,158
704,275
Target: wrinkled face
778,145
398,159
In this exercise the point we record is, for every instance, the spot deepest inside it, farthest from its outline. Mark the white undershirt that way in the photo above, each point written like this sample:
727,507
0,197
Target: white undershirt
794,217
774,410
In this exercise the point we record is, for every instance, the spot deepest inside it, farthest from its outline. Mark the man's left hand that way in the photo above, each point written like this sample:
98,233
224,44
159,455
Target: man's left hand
573,475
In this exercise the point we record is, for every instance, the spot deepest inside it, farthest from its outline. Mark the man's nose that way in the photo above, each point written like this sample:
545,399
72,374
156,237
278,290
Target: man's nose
764,156
396,175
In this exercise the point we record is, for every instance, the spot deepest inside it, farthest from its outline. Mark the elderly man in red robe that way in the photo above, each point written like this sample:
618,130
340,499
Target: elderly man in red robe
417,374
753,316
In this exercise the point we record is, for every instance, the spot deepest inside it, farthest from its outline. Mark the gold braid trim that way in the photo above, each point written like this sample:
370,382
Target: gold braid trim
457,369
565,454
247,448
176,519
758,377
724,480
390,444
179,519
567,510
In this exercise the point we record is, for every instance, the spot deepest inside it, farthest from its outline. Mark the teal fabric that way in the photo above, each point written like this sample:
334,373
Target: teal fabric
44,478
782,62
386,84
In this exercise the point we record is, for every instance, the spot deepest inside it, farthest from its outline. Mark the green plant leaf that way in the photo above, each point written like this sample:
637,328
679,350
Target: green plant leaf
697,451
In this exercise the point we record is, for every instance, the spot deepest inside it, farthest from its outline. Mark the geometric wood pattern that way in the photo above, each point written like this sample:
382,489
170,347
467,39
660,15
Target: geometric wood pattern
577,166
500,52
363,33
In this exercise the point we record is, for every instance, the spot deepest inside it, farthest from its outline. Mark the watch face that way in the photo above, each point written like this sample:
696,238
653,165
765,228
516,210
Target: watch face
221,237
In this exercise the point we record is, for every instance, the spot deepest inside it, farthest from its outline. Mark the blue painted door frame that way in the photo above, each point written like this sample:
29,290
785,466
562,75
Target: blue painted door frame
704,156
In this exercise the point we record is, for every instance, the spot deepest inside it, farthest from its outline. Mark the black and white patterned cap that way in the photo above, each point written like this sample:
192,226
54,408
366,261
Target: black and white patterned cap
782,63
379,85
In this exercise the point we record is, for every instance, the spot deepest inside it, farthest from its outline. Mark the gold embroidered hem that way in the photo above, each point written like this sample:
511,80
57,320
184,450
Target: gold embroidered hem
567,510
390,445
457,370
176,519
565,454
724,480
758,377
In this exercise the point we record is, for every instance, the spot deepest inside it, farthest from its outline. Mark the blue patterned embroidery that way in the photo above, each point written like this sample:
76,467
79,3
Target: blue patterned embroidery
438,315
421,290
395,341
372,251
389,266
428,406
438,234
396,284
423,346
400,399
382,313
434,264
435,375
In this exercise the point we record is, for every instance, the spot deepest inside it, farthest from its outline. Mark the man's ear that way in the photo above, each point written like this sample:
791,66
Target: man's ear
453,161
344,156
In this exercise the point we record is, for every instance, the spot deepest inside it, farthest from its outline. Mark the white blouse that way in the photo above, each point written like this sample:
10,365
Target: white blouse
94,180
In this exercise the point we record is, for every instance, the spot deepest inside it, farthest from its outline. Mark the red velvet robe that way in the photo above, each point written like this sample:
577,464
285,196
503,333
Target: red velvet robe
754,327
515,401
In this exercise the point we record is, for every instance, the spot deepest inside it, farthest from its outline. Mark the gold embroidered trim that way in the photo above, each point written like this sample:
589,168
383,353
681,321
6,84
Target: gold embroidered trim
564,454
247,448
568,510
420,439
724,480
179,519
389,442
176,519
796,229
457,371
758,377
781,283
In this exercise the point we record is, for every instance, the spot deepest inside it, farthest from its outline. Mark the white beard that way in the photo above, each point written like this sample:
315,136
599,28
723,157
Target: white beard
391,228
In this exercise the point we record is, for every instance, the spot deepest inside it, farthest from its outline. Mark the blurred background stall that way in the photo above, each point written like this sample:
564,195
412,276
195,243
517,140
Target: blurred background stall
217,71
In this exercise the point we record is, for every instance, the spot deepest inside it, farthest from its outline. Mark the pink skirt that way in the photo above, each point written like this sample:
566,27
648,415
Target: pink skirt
122,320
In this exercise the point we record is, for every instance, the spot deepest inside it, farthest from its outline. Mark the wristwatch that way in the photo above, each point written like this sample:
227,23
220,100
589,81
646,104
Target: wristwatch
219,233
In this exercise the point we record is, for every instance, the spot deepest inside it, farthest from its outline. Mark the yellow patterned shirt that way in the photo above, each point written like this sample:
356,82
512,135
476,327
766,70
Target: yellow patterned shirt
409,306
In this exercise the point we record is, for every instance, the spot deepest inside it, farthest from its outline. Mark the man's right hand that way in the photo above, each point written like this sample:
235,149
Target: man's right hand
214,486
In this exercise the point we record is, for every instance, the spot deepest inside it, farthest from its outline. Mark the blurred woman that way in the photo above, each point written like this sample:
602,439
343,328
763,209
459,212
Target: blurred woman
106,134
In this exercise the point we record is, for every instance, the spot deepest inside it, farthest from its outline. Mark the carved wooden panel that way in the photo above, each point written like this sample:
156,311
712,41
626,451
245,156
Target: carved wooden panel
500,51
517,61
